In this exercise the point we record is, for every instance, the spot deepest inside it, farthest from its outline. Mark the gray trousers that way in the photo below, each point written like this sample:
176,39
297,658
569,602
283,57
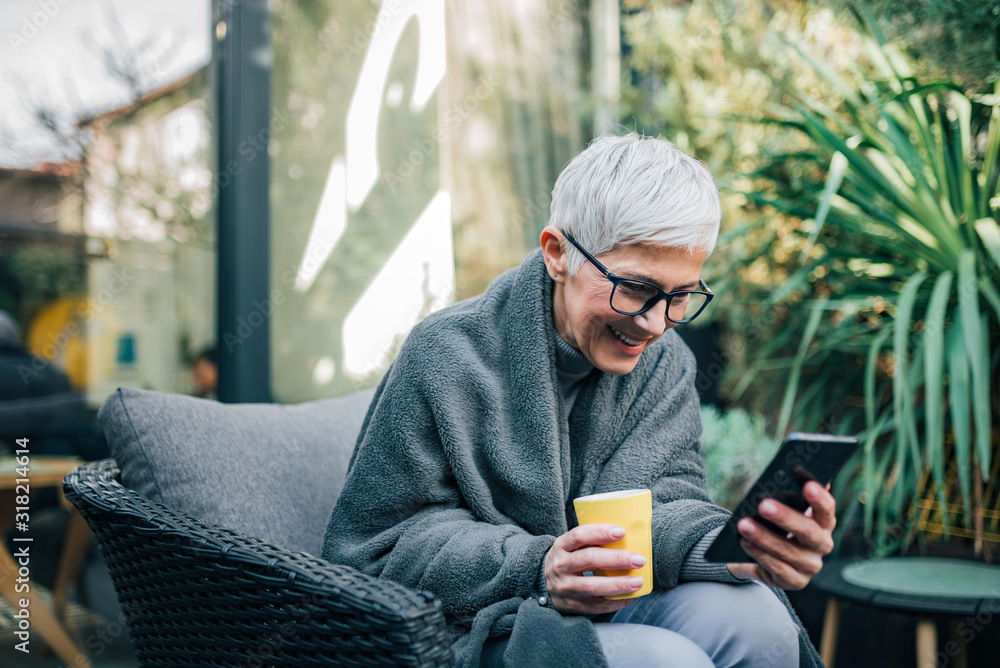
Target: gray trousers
701,625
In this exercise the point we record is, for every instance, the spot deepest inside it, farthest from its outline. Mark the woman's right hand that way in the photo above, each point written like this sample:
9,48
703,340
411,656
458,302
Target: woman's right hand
579,550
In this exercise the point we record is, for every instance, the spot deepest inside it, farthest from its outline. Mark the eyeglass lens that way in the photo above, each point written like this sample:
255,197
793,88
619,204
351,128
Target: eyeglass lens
632,297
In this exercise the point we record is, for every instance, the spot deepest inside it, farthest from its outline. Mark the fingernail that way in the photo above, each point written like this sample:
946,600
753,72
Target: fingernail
768,508
635,583
618,532
638,560
747,527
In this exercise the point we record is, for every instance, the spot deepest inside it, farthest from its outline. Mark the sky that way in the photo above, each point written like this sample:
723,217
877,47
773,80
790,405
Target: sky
45,58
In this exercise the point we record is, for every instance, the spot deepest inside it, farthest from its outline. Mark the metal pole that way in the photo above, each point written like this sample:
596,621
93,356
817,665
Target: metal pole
242,76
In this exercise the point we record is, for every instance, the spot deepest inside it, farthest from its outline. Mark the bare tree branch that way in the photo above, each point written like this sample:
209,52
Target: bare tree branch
138,67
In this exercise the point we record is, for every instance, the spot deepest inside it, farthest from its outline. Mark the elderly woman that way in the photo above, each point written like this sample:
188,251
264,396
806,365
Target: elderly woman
563,379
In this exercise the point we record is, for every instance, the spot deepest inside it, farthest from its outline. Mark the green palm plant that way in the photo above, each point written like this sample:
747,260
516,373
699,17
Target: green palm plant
892,305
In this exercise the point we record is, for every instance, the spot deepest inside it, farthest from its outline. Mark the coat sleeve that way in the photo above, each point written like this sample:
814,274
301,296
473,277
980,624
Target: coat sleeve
401,514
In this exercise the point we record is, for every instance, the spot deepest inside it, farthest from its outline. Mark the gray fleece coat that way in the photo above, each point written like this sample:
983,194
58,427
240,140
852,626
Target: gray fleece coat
461,477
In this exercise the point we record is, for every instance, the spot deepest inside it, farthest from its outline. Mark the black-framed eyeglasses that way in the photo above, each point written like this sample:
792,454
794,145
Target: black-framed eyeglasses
631,296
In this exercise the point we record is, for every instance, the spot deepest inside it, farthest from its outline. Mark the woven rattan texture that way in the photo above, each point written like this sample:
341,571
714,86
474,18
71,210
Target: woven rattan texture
197,594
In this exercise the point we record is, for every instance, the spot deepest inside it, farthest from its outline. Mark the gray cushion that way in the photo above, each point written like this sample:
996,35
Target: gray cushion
268,470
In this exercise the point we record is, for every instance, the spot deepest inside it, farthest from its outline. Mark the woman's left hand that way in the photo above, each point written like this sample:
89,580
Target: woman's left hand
792,560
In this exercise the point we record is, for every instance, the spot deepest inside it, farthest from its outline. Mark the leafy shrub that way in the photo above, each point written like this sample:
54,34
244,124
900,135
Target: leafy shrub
736,447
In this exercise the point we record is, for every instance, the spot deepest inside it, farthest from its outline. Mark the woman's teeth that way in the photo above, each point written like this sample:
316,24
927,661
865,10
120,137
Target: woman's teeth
624,338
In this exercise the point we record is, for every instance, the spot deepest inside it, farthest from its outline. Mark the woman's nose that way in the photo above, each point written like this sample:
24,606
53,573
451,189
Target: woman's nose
655,320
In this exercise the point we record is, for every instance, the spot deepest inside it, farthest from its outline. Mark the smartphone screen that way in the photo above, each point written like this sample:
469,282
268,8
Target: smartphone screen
801,458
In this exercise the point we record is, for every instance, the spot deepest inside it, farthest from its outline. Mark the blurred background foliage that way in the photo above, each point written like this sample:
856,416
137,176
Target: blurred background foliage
736,447
703,74
952,40
857,265
33,276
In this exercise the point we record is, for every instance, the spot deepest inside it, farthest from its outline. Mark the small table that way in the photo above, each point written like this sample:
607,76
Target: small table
43,472
924,586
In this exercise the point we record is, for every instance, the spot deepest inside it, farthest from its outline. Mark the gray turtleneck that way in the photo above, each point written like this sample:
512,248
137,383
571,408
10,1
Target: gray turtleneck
572,367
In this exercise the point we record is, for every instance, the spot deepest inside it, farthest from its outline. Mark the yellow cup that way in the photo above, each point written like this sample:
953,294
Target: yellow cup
632,509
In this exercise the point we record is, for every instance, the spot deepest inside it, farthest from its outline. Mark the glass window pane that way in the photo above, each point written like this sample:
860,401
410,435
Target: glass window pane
361,239
107,232
414,149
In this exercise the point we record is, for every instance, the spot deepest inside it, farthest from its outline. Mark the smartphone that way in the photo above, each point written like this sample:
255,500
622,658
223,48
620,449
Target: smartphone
801,458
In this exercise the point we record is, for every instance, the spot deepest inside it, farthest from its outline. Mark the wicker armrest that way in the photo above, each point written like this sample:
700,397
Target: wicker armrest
194,593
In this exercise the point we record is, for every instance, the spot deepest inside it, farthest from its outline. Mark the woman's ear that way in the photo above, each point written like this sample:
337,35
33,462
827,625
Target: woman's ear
554,254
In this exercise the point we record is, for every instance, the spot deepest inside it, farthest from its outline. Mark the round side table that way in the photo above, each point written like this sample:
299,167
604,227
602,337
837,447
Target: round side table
922,586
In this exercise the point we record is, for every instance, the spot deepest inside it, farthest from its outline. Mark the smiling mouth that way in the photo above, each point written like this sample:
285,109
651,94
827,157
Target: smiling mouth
624,339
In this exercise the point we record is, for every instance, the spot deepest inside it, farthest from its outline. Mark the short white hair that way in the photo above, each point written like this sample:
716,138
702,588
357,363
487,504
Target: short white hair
632,188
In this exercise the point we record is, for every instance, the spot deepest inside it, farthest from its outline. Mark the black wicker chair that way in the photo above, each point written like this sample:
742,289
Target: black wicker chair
196,594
